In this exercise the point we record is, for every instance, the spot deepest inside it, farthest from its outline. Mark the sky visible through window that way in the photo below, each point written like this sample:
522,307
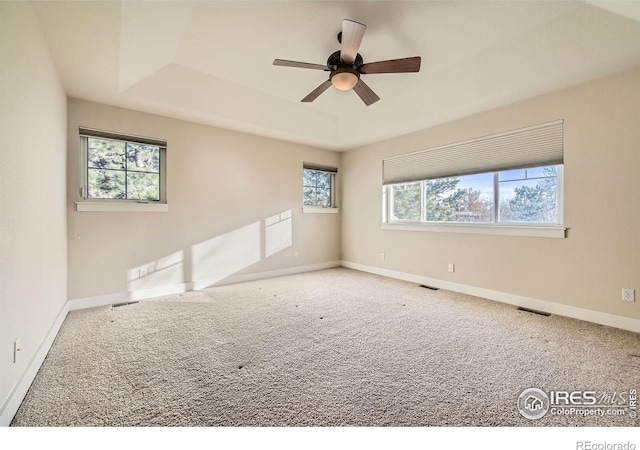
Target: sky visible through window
482,182
509,180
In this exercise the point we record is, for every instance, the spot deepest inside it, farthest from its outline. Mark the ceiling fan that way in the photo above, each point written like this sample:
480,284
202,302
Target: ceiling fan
346,66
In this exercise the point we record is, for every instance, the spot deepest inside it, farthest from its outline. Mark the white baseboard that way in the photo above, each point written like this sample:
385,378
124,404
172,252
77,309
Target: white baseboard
98,300
612,320
171,289
110,299
241,278
14,400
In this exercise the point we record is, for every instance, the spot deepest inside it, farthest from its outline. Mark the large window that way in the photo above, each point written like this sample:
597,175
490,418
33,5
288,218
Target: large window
122,168
523,196
504,183
318,187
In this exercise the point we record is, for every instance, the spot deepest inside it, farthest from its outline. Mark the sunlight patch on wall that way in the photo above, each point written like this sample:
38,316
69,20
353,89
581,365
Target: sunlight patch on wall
163,276
278,233
217,258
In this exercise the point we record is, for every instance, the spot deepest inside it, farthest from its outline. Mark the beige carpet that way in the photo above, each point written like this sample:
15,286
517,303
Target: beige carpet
329,348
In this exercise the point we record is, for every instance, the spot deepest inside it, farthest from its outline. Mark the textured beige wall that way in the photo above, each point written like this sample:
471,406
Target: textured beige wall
219,183
588,269
33,246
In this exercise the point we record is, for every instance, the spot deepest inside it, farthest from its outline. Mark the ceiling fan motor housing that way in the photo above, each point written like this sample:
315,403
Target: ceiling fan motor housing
335,61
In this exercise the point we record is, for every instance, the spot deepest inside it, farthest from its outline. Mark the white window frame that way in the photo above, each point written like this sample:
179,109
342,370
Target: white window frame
318,209
85,204
531,229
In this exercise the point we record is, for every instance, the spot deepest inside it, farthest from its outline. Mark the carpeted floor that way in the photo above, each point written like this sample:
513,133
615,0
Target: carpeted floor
330,348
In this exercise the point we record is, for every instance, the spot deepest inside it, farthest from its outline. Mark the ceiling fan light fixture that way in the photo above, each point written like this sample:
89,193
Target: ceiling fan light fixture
346,65
344,79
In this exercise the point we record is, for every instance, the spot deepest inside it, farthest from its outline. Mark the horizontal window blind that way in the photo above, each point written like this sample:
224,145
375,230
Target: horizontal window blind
538,145
88,132
312,166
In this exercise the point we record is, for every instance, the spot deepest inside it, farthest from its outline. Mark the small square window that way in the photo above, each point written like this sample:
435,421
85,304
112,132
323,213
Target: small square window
122,168
318,187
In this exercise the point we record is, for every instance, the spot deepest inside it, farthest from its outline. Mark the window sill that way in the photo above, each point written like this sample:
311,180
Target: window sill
121,207
547,231
319,210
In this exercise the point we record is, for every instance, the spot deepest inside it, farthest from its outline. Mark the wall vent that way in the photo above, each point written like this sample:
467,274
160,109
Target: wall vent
429,287
533,311
117,305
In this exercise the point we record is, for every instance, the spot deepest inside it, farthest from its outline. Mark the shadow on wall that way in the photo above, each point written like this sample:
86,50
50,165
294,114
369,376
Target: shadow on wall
212,260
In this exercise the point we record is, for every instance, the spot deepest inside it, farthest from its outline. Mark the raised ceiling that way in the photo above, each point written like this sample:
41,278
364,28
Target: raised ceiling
211,62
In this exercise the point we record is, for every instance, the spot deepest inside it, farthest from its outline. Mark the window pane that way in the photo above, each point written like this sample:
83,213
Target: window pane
406,202
323,197
106,184
324,180
531,200
537,172
143,158
309,196
461,199
309,178
316,187
143,186
509,175
105,154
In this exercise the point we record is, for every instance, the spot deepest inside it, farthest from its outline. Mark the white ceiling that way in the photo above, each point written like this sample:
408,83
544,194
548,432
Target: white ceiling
211,61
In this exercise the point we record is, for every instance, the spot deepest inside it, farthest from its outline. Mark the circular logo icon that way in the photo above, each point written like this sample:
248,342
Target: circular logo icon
533,403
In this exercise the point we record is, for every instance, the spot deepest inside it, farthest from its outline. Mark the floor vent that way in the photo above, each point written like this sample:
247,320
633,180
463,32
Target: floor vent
430,287
117,305
533,311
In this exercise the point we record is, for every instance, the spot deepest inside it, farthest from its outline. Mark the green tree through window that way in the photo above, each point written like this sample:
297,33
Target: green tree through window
317,188
524,195
122,170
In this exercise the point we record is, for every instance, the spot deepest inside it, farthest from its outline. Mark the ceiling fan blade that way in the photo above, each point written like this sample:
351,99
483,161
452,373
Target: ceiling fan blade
392,66
365,93
317,91
302,65
352,33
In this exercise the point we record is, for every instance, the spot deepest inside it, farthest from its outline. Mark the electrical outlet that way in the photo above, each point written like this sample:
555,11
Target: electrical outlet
143,272
381,256
452,268
17,348
628,295
296,255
